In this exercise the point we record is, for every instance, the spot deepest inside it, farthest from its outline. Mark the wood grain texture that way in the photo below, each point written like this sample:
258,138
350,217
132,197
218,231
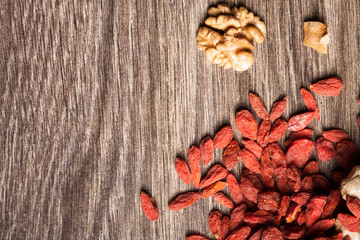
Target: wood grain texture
99,97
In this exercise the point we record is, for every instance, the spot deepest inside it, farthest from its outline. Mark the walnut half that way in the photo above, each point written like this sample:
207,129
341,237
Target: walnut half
227,38
316,36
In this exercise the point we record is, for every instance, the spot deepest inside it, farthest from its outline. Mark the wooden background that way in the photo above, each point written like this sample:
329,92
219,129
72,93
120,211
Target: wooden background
99,97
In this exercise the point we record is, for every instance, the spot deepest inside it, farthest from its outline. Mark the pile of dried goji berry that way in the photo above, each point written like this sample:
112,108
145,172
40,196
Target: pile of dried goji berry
282,196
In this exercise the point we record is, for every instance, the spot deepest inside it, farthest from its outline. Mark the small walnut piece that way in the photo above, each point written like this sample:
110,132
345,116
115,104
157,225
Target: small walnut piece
316,36
232,48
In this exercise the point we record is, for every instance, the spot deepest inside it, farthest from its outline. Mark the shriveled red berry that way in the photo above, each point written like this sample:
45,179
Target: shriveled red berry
231,155
300,121
246,124
310,102
346,154
234,189
258,106
331,204
278,108
237,217
278,130
331,86
335,135
284,205
314,209
239,234
320,226
272,233
214,221
260,216
149,206
183,170
206,150
250,161
269,201
263,132
224,200
195,165
223,137
184,200
301,198
213,188
325,149
253,147
353,205
310,168
305,133
215,173
299,152
349,222
293,212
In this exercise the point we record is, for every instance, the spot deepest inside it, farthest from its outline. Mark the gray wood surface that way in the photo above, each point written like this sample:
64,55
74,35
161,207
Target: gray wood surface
99,97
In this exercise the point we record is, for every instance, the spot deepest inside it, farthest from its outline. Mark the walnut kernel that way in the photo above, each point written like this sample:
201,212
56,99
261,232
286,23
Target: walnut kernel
316,36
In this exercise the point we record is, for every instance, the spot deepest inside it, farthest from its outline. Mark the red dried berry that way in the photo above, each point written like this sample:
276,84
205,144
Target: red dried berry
346,154
278,130
310,102
149,206
257,234
335,135
301,218
215,173
239,234
299,152
263,132
223,137
221,198
293,212
281,180
349,222
253,147
302,134
266,169
235,189
196,237
269,201
293,232
277,220
246,124
328,87
250,186
213,188
307,184
258,106
301,198
206,150
214,221
320,226
237,217
337,176
300,121
260,216
294,179
284,205
183,170
272,233
321,183
225,228
278,109
310,168
353,205
277,156
250,161
331,204
195,165
184,200
231,155
314,210
325,149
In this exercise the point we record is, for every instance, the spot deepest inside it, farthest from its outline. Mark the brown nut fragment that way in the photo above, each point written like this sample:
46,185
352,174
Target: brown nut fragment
232,48
316,36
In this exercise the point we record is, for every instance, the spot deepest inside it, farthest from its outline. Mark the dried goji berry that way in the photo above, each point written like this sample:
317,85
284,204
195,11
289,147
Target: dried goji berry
266,169
196,237
149,206
305,133
237,217
221,198
293,212
331,204
301,218
325,149
250,186
235,189
314,210
213,188
223,137
246,124
277,156
307,184
215,173
301,198
269,201
258,106
263,132
310,168
253,147
257,234
294,179
214,221
225,228
310,102
284,205
260,216
281,180
328,87
353,205
335,135
300,121
239,234
231,155
293,232
349,222
346,154
250,161
321,183
278,108
195,165
337,176
206,149
277,131
272,233
299,152
320,226
184,200
183,170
